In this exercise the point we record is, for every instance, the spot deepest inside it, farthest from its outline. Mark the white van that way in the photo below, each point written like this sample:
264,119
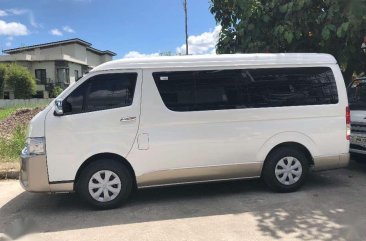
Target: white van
137,123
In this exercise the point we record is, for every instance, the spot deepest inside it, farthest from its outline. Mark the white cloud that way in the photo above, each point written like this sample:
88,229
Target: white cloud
8,44
56,32
21,11
12,29
204,43
68,29
135,54
33,21
59,32
17,11
3,13
12,11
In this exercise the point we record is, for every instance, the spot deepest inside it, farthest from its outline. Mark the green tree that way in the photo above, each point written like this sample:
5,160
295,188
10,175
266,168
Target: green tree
21,81
324,26
2,80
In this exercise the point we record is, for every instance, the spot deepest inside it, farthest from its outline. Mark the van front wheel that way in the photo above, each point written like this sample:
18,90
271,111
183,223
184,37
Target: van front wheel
105,184
285,170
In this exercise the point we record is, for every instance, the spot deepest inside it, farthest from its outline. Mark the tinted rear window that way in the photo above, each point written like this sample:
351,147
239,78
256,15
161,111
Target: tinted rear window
247,88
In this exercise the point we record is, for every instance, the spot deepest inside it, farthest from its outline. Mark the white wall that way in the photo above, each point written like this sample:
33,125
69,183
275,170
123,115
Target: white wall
48,65
93,59
72,68
80,53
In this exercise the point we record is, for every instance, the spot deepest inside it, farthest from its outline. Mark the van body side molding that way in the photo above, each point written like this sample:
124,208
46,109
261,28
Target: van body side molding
199,174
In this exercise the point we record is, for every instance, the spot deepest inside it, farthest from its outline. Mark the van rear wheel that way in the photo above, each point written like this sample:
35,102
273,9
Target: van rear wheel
105,184
285,170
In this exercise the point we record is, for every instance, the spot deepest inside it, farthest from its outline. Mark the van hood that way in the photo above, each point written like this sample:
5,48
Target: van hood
358,116
37,124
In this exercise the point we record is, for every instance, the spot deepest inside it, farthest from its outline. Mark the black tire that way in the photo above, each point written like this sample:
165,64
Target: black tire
269,168
115,167
358,158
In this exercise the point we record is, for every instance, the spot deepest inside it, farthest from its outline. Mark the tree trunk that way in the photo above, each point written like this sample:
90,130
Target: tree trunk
347,75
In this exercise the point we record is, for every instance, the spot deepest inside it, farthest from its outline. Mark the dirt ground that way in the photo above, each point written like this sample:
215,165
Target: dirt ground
20,117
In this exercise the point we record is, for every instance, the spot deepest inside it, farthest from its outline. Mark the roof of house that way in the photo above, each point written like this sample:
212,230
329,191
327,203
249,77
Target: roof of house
227,60
63,42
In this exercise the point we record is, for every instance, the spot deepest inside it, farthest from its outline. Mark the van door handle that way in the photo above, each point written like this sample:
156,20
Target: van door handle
127,119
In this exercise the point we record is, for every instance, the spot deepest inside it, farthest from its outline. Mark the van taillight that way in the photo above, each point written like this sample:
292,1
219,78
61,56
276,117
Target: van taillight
348,123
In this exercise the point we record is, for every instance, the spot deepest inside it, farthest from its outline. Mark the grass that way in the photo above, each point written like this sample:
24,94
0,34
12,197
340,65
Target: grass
9,152
10,148
5,113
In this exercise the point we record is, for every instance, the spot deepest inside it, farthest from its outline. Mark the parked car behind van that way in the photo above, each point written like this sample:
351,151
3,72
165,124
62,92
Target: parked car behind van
137,123
357,100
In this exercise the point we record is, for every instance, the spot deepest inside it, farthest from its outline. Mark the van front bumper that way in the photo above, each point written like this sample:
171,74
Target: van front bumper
331,162
33,173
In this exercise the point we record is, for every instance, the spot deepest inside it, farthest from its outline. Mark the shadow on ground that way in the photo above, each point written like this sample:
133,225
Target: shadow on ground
330,207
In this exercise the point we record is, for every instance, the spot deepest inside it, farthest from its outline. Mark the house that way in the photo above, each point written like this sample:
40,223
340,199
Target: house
56,63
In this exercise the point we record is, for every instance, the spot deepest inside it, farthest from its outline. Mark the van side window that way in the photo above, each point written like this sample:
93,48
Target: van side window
200,90
74,103
246,88
292,87
101,92
109,91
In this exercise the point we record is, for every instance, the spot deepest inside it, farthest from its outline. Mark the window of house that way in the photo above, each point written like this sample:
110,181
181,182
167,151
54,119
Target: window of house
41,76
38,94
101,92
247,88
6,95
76,73
63,75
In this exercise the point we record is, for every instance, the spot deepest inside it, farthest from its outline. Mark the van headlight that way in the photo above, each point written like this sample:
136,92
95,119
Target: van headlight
35,146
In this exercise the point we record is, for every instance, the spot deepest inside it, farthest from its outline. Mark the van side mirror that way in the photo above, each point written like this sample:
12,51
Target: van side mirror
58,107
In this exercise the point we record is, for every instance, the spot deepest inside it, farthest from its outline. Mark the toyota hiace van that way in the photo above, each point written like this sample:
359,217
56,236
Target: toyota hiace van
138,123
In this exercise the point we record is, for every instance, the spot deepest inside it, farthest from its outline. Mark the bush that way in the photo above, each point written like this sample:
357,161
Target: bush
21,81
55,91
2,80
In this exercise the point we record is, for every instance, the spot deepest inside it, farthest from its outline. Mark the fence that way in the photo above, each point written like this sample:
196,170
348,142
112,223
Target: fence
24,103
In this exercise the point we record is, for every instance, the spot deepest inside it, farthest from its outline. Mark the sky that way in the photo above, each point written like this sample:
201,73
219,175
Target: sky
130,28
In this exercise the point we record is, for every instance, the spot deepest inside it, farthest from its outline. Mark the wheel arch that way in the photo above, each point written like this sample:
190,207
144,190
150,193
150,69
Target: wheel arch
296,140
106,155
293,145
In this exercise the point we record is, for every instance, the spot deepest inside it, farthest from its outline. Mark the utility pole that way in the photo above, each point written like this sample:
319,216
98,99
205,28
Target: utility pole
186,23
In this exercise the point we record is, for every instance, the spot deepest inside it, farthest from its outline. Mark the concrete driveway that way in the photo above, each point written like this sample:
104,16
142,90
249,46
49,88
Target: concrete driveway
332,206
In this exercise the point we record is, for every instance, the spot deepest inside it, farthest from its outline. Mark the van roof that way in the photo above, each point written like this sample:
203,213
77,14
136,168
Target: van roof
219,60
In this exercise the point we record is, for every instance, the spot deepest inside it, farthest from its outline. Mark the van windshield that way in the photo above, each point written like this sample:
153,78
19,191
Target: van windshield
357,94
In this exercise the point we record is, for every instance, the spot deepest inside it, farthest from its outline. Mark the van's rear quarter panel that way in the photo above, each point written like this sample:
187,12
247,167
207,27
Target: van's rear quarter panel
225,137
